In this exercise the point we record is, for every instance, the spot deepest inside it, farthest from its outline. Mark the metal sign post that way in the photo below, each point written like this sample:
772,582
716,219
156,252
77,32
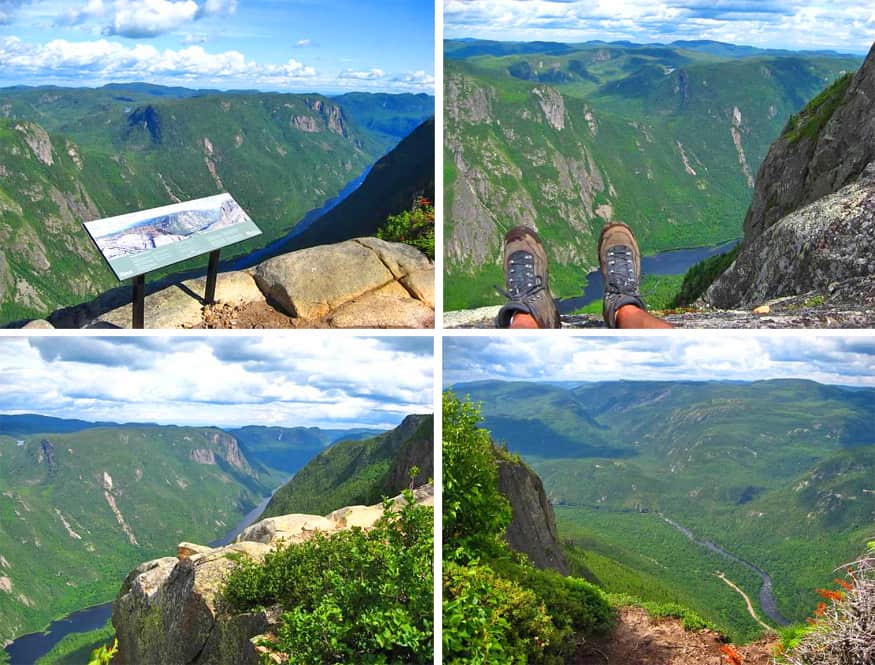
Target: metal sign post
140,242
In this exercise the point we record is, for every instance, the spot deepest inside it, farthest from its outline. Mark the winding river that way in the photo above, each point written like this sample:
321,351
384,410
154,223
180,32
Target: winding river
768,604
672,262
28,648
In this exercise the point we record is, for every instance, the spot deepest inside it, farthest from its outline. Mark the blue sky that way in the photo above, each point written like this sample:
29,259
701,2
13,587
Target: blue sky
827,359
289,45
791,24
305,379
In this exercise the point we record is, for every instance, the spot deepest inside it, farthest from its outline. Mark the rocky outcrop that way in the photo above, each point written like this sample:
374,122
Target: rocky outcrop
805,163
170,610
829,241
532,530
311,283
413,451
811,224
360,283
46,454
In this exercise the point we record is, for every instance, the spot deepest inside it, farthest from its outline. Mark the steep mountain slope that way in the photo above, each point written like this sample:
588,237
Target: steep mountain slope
71,155
394,183
811,223
664,138
778,473
78,509
360,472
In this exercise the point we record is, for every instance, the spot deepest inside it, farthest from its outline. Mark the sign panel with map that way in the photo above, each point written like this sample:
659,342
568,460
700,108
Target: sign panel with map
139,242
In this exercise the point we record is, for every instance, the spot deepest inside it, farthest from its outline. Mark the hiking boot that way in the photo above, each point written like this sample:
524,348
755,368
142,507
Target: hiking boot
620,262
527,279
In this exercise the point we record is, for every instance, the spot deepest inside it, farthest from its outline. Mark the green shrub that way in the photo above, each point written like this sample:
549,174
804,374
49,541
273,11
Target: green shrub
353,596
475,513
489,619
575,606
414,227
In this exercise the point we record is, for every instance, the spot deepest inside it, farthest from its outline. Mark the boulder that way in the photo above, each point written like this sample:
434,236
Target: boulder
311,282
376,310
291,528
38,324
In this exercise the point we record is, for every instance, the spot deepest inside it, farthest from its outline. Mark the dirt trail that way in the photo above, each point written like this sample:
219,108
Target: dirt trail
750,608
640,639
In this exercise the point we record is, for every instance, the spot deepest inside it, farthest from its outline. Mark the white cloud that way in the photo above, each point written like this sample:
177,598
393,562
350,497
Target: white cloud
303,42
366,75
798,24
107,60
194,39
230,381
827,359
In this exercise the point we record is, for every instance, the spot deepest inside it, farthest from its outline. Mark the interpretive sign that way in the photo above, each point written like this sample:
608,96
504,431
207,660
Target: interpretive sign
139,242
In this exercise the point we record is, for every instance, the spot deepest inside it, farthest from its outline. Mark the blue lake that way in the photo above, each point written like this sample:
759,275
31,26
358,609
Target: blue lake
673,262
26,649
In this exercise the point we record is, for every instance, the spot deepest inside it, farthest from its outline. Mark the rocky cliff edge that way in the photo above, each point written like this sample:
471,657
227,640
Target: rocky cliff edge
170,610
359,283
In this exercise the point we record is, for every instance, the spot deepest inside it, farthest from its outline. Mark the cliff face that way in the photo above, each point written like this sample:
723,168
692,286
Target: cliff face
170,610
415,451
811,226
532,530
823,149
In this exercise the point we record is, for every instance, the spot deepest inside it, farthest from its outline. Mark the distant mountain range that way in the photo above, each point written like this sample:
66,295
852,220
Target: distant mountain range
82,502
564,137
779,472
69,155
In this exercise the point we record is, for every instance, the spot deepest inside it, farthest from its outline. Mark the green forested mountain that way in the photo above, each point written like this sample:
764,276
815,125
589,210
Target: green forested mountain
564,137
354,472
395,182
779,473
71,155
78,510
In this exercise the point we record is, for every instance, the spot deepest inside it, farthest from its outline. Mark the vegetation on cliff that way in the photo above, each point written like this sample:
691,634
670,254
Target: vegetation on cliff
352,596
497,607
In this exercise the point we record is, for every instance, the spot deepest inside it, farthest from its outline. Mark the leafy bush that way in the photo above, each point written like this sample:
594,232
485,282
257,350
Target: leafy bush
489,619
843,630
353,596
475,512
414,227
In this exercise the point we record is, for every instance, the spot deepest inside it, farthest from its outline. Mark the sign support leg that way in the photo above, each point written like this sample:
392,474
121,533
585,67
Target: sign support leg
212,275
139,302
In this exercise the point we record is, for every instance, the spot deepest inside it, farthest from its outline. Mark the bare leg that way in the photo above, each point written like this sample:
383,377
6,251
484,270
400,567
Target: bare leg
631,316
521,320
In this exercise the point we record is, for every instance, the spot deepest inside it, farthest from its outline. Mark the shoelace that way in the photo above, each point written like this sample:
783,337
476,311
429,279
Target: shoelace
621,269
522,282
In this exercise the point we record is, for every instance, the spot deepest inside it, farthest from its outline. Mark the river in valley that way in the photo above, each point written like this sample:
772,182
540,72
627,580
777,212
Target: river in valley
257,256
28,648
672,262
767,598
